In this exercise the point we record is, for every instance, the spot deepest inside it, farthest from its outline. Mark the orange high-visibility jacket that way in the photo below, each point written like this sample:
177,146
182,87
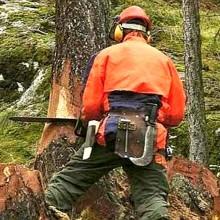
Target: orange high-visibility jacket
134,66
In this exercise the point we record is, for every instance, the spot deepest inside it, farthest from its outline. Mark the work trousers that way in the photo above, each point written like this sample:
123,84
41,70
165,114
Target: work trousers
149,186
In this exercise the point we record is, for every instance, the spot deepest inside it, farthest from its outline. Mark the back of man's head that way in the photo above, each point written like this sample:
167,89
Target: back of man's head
131,19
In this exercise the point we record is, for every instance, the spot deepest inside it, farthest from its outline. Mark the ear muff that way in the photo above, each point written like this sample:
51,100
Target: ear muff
118,33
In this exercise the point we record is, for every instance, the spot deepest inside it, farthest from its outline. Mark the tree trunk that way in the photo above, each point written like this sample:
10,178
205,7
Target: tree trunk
81,30
194,84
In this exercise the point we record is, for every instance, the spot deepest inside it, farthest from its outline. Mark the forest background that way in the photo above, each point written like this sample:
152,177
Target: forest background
27,40
27,45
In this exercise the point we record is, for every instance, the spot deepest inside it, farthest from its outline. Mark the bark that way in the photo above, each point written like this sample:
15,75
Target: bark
195,194
194,191
81,30
194,82
21,194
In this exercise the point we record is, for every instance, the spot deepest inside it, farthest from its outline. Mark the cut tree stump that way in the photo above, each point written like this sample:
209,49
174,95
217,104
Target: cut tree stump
195,193
21,194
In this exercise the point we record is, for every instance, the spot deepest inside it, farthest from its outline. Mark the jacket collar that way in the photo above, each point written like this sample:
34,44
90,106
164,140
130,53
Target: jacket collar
134,36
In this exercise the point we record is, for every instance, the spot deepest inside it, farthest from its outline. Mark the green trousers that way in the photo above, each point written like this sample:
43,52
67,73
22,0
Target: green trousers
149,186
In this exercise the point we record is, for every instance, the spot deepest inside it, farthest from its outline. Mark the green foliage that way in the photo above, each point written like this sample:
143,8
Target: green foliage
20,48
210,32
44,89
33,41
213,123
27,40
181,142
18,140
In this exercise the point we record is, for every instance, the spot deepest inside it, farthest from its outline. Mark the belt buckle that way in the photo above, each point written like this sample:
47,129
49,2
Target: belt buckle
126,124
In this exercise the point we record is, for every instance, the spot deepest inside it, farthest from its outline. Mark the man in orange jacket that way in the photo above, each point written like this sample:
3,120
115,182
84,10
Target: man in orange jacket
135,92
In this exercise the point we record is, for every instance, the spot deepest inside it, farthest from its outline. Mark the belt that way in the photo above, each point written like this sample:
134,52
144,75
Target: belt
124,112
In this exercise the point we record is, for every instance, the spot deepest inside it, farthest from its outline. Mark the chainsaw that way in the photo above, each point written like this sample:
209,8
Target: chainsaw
89,133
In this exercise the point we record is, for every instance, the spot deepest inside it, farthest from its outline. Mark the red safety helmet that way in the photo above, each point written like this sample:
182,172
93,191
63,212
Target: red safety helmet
134,12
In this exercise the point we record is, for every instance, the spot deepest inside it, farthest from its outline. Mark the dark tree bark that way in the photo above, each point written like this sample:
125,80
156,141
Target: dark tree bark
81,30
194,82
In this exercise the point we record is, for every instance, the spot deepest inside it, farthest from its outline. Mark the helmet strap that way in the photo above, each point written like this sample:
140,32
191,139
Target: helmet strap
136,27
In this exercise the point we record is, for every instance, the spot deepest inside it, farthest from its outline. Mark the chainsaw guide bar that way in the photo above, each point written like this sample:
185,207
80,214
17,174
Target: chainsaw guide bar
42,119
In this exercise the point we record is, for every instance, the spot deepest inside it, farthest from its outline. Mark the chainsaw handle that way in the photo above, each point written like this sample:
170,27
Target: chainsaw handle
80,128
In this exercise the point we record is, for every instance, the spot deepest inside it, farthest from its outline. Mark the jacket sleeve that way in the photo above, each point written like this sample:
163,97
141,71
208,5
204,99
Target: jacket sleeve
176,99
88,68
92,104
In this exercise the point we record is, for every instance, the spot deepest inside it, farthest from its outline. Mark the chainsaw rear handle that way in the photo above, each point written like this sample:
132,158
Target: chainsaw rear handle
90,138
91,132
